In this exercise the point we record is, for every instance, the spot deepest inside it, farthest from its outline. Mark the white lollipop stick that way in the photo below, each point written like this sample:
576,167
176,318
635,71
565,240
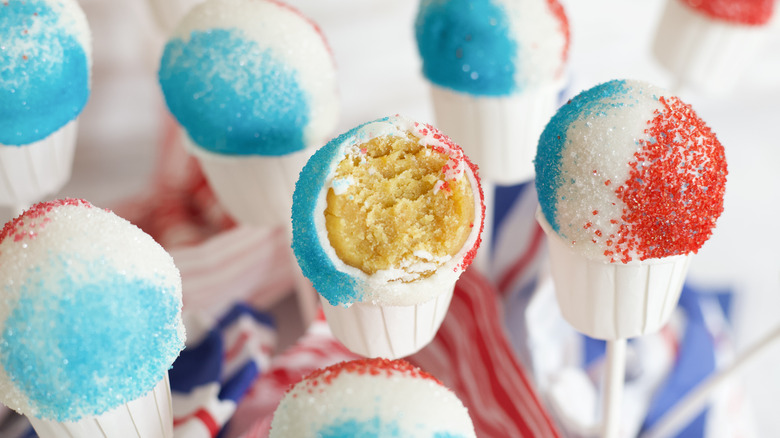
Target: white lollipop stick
613,387
693,402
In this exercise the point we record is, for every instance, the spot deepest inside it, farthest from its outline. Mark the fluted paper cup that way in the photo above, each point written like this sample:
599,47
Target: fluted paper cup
29,173
614,300
499,134
255,190
708,54
150,416
391,332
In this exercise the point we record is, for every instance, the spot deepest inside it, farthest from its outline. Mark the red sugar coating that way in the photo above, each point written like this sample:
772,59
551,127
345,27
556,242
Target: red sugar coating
14,226
373,367
456,155
750,12
557,10
674,193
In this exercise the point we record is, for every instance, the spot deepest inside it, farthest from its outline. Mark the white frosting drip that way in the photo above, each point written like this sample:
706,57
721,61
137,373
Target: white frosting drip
420,407
291,38
384,287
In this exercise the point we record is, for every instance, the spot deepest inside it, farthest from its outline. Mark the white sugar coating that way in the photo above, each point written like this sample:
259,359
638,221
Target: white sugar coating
618,133
395,405
90,242
70,16
401,285
291,37
541,41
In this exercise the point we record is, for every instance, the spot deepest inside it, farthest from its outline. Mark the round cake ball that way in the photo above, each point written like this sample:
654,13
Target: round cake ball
492,47
627,171
749,12
90,311
250,77
45,60
389,213
371,398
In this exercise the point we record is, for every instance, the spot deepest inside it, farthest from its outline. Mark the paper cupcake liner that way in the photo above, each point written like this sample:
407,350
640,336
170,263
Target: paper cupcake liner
255,190
703,52
614,300
29,173
150,416
499,134
391,332
167,13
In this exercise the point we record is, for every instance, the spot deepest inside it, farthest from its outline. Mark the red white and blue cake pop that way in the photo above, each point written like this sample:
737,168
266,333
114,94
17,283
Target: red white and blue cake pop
250,78
90,312
45,62
373,398
627,171
492,47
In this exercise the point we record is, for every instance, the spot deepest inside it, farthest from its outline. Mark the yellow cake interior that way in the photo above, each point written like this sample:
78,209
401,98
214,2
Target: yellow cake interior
392,210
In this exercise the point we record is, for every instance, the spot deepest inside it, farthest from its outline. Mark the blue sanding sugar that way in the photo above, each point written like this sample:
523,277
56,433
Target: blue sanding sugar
232,96
594,101
93,344
335,286
466,45
372,428
44,73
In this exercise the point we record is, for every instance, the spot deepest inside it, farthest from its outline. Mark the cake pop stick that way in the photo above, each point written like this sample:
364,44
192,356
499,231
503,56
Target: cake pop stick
694,401
630,183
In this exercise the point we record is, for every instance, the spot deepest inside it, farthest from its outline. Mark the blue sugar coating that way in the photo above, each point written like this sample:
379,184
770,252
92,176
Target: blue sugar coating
232,96
467,46
371,428
44,73
335,286
374,427
595,101
100,342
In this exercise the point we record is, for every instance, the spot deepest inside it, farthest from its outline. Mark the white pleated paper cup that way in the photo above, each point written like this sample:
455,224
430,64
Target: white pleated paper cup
614,300
168,13
498,134
390,332
150,416
31,172
254,190
708,54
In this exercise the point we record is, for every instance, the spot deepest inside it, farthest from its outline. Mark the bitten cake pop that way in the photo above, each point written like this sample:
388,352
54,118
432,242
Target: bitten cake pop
371,398
253,84
45,64
90,321
385,218
708,44
496,70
